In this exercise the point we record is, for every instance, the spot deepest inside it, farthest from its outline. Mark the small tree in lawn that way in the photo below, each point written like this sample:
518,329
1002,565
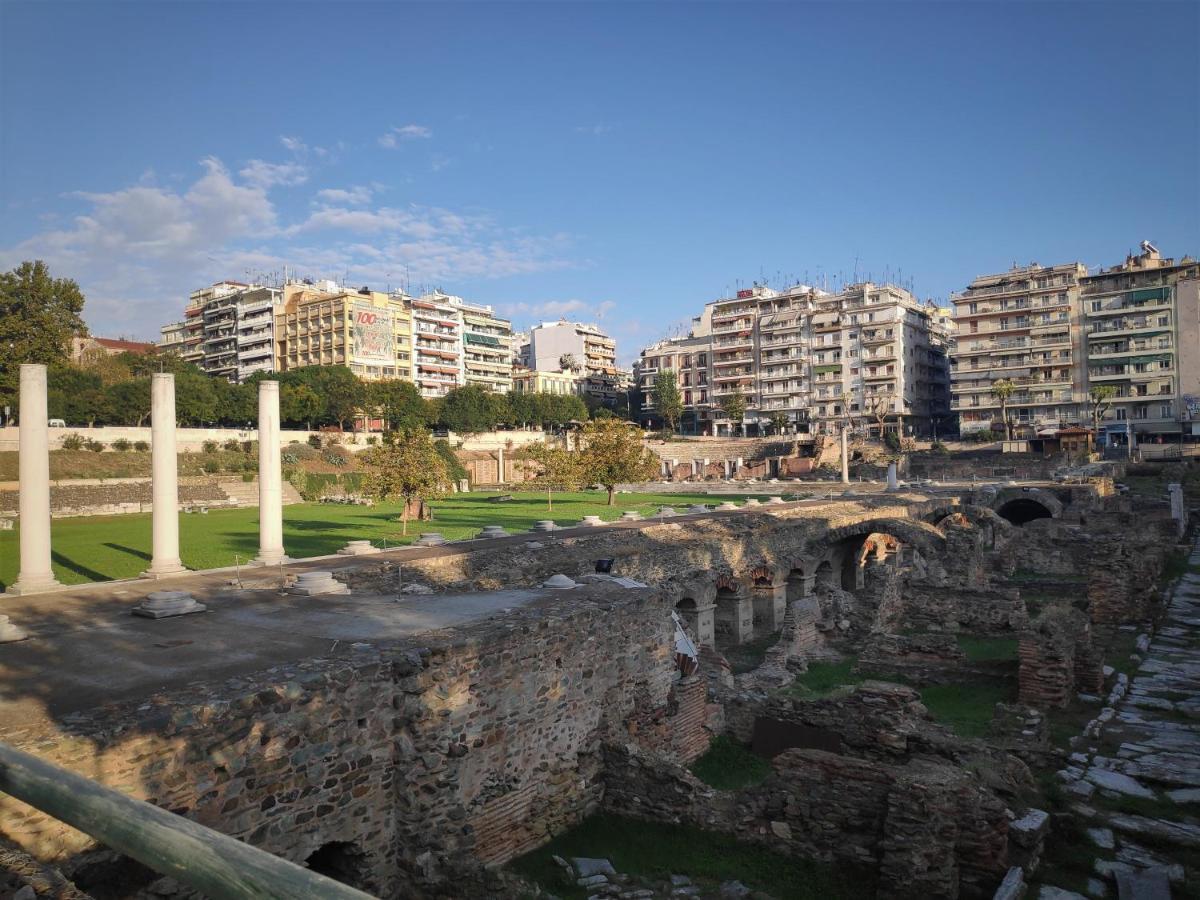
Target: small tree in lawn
613,454
1003,389
558,469
1100,399
667,399
734,406
406,468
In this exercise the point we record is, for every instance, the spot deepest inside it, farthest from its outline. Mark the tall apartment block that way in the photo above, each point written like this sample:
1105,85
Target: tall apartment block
487,356
228,329
1142,338
870,354
1024,326
593,350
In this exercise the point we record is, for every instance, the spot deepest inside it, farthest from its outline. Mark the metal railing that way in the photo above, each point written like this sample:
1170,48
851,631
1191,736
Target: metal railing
213,863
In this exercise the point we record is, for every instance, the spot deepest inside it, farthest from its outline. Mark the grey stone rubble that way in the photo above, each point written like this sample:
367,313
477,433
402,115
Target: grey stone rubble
602,881
1153,720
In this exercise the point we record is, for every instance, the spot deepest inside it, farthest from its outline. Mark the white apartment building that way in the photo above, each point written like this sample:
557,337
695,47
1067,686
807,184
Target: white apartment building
870,355
228,329
594,352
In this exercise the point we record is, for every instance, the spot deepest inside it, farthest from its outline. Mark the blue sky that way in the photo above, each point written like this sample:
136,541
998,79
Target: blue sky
623,162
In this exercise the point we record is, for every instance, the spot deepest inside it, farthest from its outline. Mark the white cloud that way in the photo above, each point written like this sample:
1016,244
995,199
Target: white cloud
265,174
593,129
294,144
401,133
353,196
137,252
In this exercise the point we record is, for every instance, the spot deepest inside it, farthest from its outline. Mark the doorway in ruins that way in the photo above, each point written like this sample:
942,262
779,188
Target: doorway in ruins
1023,510
796,588
342,861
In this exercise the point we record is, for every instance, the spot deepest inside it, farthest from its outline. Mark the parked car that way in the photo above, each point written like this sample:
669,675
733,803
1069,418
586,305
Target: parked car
57,423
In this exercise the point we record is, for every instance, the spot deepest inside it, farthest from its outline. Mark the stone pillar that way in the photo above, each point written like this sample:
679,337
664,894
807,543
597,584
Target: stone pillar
845,459
500,465
1178,510
770,605
34,473
725,464
165,487
735,618
892,484
270,477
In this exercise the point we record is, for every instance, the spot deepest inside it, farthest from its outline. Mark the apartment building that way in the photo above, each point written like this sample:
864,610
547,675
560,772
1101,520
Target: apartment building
531,381
1141,336
437,359
870,354
487,354
227,330
1023,326
594,352
172,338
369,332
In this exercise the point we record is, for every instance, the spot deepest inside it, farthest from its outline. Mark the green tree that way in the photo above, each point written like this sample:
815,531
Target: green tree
467,410
613,454
406,468
298,404
668,402
1100,399
398,403
130,401
734,406
557,469
38,317
76,396
779,421
195,399
1003,389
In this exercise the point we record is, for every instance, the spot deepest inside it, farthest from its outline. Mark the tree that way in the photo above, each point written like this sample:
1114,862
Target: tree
1003,389
195,399
130,401
406,468
467,410
399,404
879,408
1100,399
667,399
734,406
558,469
779,421
299,404
568,363
38,317
613,454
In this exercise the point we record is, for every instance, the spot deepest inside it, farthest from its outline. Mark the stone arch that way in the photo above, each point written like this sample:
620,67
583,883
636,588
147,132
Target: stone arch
734,615
823,575
913,532
693,599
799,582
1019,505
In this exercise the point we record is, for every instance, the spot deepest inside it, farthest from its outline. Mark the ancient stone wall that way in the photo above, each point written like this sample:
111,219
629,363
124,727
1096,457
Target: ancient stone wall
118,497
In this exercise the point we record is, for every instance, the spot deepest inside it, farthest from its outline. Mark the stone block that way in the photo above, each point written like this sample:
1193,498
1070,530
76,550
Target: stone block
165,604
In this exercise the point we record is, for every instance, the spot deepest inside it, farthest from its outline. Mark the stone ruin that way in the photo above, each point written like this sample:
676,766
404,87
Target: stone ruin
432,760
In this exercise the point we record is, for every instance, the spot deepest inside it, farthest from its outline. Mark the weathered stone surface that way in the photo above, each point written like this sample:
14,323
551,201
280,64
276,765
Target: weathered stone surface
1115,781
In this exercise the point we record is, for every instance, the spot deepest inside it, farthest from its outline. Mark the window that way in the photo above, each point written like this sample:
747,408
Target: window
1164,411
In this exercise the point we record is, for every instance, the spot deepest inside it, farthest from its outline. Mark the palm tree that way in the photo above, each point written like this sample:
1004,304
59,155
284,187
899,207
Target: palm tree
1003,389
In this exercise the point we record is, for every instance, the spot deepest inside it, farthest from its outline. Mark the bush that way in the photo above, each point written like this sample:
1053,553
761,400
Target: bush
231,444
939,448
73,441
121,445
352,482
891,440
247,477
316,485
248,465
453,466
314,440
209,446
290,459
372,441
210,467
334,458
249,446
141,446
94,446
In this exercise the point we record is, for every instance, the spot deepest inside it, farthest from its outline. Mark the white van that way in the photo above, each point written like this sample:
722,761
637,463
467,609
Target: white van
57,423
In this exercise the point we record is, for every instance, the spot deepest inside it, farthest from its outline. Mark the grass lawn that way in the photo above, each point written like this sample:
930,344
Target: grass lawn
728,765
823,678
101,548
656,850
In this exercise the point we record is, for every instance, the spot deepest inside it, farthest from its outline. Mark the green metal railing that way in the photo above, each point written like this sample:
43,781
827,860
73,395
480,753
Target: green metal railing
213,863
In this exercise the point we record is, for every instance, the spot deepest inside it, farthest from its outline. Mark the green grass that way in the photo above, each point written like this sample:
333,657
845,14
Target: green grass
824,678
728,765
966,709
657,850
988,649
101,548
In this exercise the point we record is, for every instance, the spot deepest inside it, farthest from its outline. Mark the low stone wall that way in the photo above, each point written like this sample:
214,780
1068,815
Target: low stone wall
115,498
1058,659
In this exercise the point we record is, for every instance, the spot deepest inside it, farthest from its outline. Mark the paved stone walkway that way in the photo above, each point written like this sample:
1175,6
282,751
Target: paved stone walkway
1137,777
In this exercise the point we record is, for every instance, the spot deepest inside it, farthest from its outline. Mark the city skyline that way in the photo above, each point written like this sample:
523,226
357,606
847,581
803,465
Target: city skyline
674,156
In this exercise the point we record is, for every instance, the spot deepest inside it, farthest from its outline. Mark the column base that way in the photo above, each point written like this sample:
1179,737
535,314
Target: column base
270,559
33,584
165,569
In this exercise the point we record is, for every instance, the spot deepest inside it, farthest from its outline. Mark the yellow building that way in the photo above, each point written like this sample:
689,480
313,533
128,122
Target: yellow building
370,332
531,381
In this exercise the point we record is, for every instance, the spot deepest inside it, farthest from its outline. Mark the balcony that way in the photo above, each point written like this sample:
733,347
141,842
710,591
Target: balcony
1128,326
1145,300
740,359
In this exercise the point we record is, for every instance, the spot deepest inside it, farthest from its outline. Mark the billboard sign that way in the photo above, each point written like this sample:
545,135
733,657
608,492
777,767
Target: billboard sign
371,339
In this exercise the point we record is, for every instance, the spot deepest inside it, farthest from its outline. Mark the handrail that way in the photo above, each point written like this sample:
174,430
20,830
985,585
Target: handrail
215,864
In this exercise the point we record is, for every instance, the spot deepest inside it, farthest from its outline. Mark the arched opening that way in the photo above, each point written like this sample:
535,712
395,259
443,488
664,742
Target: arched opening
341,861
1023,510
796,589
690,616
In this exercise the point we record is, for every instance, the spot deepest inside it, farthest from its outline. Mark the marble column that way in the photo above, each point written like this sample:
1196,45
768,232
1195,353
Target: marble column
892,483
845,458
165,486
270,477
34,473
500,466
